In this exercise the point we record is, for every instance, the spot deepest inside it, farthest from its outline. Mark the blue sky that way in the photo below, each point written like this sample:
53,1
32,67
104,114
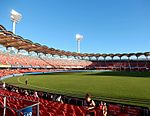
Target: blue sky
108,26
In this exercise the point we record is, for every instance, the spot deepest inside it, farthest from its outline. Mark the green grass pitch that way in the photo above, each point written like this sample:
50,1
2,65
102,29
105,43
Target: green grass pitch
123,87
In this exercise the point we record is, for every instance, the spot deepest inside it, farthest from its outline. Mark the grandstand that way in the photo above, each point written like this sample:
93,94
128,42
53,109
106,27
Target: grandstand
49,59
72,60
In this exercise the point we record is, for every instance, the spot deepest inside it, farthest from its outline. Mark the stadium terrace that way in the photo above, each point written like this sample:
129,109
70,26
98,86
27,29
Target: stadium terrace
95,61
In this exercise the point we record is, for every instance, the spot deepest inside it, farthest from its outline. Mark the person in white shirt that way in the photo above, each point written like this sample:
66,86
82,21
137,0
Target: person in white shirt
35,94
4,85
104,110
59,99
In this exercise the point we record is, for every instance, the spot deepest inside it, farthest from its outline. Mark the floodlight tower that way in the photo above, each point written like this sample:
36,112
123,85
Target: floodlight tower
15,17
78,39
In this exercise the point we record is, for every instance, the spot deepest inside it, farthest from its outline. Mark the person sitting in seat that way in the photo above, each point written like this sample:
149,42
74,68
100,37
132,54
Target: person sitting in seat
104,110
59,99
89,103
89,106
17,91
4,85
26,93
101,106
35,94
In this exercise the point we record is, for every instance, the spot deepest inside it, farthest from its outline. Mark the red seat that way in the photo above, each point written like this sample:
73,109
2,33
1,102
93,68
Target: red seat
114,109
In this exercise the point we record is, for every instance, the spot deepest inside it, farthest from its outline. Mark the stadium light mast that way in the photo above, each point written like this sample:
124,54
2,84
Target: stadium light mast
15,17
78,39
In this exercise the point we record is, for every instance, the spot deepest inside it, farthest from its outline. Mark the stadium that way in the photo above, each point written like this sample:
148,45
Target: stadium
89,65
37,80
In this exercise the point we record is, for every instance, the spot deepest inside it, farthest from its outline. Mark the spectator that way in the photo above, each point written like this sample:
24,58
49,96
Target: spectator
26,93
101,106
89,106
51,97
35,94
100,111
13,89
104,110
89,103
4,85
17,91
59,99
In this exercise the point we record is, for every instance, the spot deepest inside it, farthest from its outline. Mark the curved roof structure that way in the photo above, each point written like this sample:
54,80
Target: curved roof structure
8,39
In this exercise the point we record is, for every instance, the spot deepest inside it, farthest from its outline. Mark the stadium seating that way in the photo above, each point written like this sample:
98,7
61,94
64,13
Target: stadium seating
53,108
114,109
17,60
120,65
50,108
